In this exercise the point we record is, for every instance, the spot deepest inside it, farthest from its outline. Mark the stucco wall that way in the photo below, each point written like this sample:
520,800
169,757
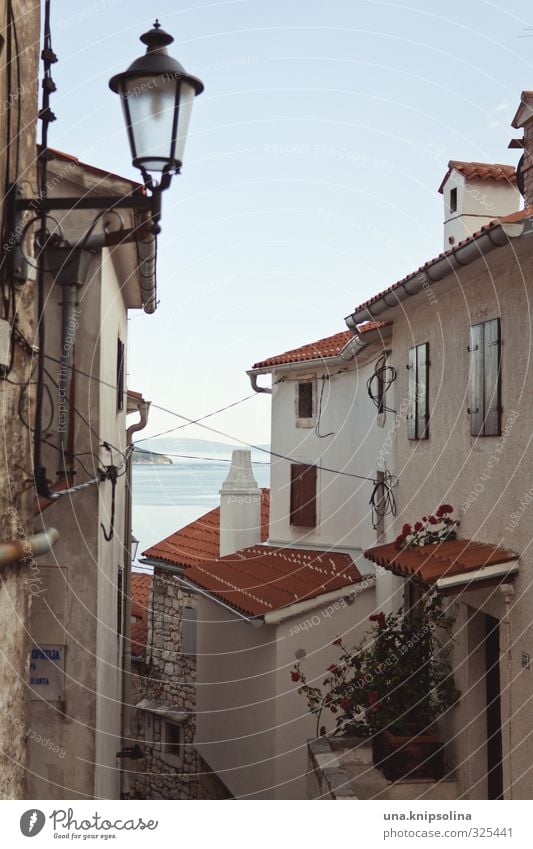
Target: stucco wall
486,480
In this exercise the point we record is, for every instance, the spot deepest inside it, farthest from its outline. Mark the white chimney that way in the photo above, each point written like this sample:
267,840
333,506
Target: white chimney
240,506
474,194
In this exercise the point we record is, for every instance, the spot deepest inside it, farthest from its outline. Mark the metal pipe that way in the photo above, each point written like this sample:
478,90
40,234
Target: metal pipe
22,549
143,408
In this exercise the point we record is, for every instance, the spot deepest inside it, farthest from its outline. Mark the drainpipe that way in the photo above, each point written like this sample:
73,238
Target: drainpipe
22,549
508,592
143,408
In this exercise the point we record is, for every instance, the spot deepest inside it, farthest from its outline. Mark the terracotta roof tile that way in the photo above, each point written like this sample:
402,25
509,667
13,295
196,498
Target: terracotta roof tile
506,219
261,579
481,171
446,559
330,346
141,587
199,542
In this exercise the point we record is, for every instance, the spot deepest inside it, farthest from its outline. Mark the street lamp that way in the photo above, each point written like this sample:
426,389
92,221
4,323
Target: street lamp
157,96
134,548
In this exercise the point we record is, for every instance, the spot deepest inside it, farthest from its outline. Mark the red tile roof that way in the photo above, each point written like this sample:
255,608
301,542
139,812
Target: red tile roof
261,579
481,171
446,559
141,587
507,219
199,542
330,346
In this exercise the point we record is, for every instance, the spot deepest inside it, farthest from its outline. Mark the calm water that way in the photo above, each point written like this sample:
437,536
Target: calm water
165,498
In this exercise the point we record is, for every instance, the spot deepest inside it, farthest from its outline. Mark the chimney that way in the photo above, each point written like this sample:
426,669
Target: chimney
240,506
523,120
474,194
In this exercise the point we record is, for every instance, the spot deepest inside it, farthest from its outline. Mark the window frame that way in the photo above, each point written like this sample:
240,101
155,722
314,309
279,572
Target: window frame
121,356
173,758
305,421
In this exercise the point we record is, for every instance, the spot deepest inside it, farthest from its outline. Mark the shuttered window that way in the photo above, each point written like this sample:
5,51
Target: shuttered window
418,418
484,400
303,495
305,400
188,631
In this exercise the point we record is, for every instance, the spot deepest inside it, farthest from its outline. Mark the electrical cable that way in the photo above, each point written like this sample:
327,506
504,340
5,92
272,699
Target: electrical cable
382,500
385,376
319,414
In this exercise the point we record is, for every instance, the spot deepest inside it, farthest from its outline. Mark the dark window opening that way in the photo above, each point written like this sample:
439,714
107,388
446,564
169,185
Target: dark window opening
305,400
303,495
120,375
485,379
172,741
418,418
188,631
453,200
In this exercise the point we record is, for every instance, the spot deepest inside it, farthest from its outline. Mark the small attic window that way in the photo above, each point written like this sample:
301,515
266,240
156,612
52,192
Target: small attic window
453,200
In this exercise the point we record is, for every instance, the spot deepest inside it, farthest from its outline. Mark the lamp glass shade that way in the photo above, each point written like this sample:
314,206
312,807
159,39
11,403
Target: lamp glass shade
149,105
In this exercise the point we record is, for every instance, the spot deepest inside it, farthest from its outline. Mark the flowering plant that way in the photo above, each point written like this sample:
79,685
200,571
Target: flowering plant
399,677
429,530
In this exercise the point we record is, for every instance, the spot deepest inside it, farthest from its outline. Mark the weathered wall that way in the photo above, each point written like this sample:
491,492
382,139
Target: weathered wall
487,480
17,101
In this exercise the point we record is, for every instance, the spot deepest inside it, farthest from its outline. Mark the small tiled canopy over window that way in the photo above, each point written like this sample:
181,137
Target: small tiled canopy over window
485,379
303,495
418,419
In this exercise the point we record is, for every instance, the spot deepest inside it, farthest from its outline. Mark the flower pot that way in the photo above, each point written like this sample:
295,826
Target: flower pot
413,756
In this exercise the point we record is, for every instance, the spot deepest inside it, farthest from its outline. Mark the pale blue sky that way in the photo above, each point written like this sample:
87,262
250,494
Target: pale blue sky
311,170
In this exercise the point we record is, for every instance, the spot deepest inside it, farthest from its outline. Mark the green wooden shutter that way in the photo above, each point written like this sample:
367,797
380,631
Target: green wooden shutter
492,406
476,380
422,396
411,415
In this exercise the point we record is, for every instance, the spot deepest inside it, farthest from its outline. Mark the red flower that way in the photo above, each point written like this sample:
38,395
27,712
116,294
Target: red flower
432,520
345,703
322,730
399,541
373,697
332,667
337,642
424,518
443,509
418,526
295,676
333,709
379,618
406,529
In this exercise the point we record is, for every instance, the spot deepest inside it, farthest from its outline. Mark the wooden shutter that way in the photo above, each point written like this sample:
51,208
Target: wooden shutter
120,375
422,396
492,405
303,495
411,415
188,631
476,382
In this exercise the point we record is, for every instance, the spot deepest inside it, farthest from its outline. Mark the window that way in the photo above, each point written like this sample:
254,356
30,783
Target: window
172,743
188,631
453,200
120,374
418,418
305,400
303,495
485,379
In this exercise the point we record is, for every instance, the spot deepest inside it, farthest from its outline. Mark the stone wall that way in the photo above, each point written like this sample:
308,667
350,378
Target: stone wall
18,102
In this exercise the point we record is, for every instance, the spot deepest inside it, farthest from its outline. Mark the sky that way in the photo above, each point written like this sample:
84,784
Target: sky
311,169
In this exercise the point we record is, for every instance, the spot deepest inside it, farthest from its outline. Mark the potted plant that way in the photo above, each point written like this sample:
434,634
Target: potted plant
392,688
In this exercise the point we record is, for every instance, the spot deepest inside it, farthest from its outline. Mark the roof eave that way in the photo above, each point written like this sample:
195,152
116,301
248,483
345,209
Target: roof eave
495,236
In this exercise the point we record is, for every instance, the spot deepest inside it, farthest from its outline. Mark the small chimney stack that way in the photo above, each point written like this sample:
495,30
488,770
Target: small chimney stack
523,120
240,506
474,194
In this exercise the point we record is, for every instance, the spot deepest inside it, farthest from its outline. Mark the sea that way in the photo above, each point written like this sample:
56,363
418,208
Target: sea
168,497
